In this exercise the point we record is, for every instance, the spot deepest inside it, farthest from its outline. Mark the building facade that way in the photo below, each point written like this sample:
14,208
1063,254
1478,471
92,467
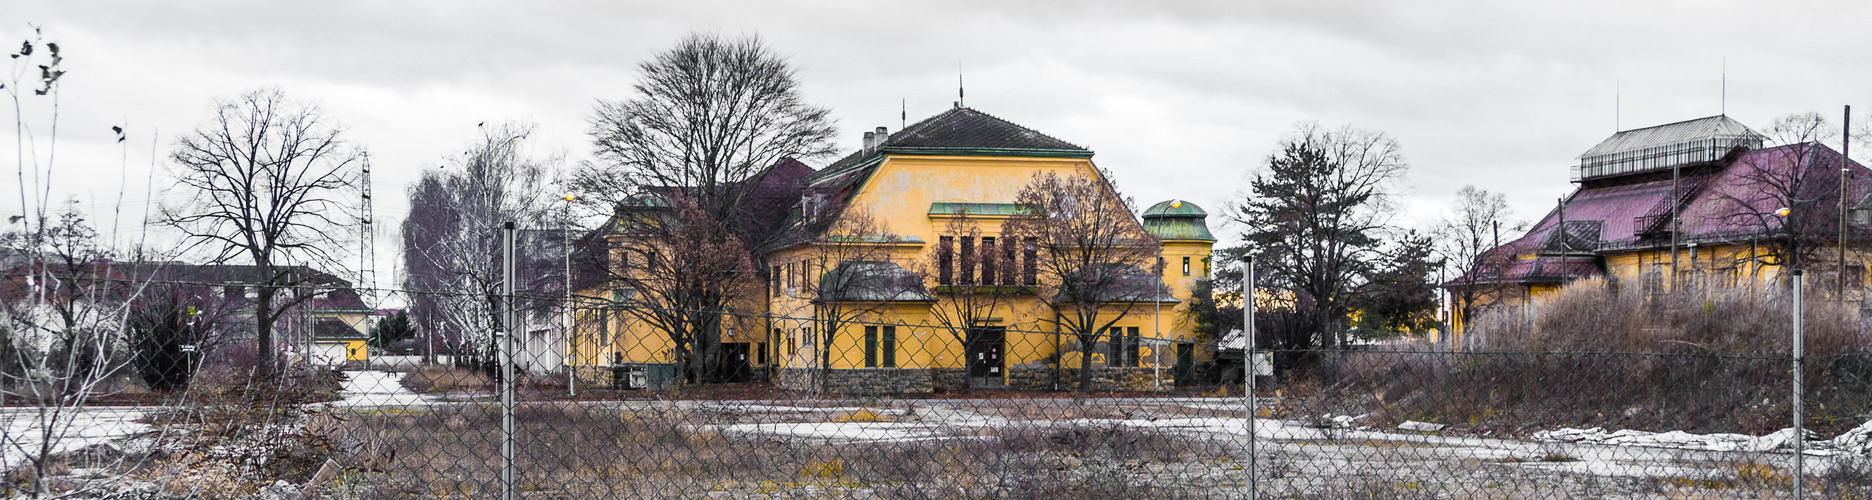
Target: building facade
894,273
1686,207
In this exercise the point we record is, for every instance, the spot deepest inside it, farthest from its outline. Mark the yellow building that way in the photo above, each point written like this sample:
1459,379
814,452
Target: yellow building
875,258
1688,207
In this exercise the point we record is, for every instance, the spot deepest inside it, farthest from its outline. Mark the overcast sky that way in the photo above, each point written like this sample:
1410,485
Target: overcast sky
1178,99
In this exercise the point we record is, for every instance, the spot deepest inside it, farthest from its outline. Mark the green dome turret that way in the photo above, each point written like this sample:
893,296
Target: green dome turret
1177,220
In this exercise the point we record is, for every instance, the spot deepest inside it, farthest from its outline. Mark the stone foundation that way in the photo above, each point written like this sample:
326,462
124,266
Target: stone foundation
883,381
857,381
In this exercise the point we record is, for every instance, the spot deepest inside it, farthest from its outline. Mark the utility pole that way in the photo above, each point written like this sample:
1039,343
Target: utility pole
1845,168
1249,359
565,310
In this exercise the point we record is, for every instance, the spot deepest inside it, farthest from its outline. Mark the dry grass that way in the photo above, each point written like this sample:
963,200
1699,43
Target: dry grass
444,378
577,450
1595,357
1591,315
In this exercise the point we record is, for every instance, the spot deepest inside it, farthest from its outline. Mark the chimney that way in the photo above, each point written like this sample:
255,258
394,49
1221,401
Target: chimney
870,141
883,135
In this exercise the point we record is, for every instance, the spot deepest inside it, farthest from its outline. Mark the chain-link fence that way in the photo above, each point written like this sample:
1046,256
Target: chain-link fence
762,406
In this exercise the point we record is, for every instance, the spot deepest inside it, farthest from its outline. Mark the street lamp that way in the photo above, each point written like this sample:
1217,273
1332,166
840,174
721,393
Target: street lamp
1799,349
565,308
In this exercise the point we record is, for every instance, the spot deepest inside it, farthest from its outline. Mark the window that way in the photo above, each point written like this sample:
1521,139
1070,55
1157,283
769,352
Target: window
1007,262
1205,273
773,279
1124,348
1653,282
871,346
1131,348
1689,279
945,259
987,259
1030,269
1186,268
1724,277
968,261
604,327
760,353
890,346
880,346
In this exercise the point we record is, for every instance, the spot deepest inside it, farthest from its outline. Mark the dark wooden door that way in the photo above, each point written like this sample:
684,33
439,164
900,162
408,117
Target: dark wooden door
736,366
1185,365
984,352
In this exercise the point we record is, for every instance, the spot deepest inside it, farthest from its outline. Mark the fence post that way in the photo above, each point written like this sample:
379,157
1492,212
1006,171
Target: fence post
505,346
1800,437
1248,370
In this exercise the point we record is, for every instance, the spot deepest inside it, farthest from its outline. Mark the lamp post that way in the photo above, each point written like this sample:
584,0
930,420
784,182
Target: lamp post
1799,348
565,308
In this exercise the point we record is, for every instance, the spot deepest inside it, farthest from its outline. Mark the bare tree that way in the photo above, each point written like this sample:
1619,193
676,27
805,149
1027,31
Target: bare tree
1465,240
452,236
1788,193
62,306
1092,262
679,272
64,339
852,277
964,303
709,116
271,181
1315,214
432,219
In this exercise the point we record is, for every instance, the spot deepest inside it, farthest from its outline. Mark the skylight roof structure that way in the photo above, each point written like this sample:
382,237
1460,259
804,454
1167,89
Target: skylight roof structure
1664,146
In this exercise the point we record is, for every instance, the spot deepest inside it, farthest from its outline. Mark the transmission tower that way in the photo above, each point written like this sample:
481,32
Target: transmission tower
367,240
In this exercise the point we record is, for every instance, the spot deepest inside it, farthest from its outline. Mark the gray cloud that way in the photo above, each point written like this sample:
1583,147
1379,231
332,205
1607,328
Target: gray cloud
1180,99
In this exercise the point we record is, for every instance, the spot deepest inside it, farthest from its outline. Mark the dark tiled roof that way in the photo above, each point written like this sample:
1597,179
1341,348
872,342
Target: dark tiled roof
332,329
967,128
956,130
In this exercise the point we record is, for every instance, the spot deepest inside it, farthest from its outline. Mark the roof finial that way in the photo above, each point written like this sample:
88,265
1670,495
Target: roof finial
903,114
961,98
1723,108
